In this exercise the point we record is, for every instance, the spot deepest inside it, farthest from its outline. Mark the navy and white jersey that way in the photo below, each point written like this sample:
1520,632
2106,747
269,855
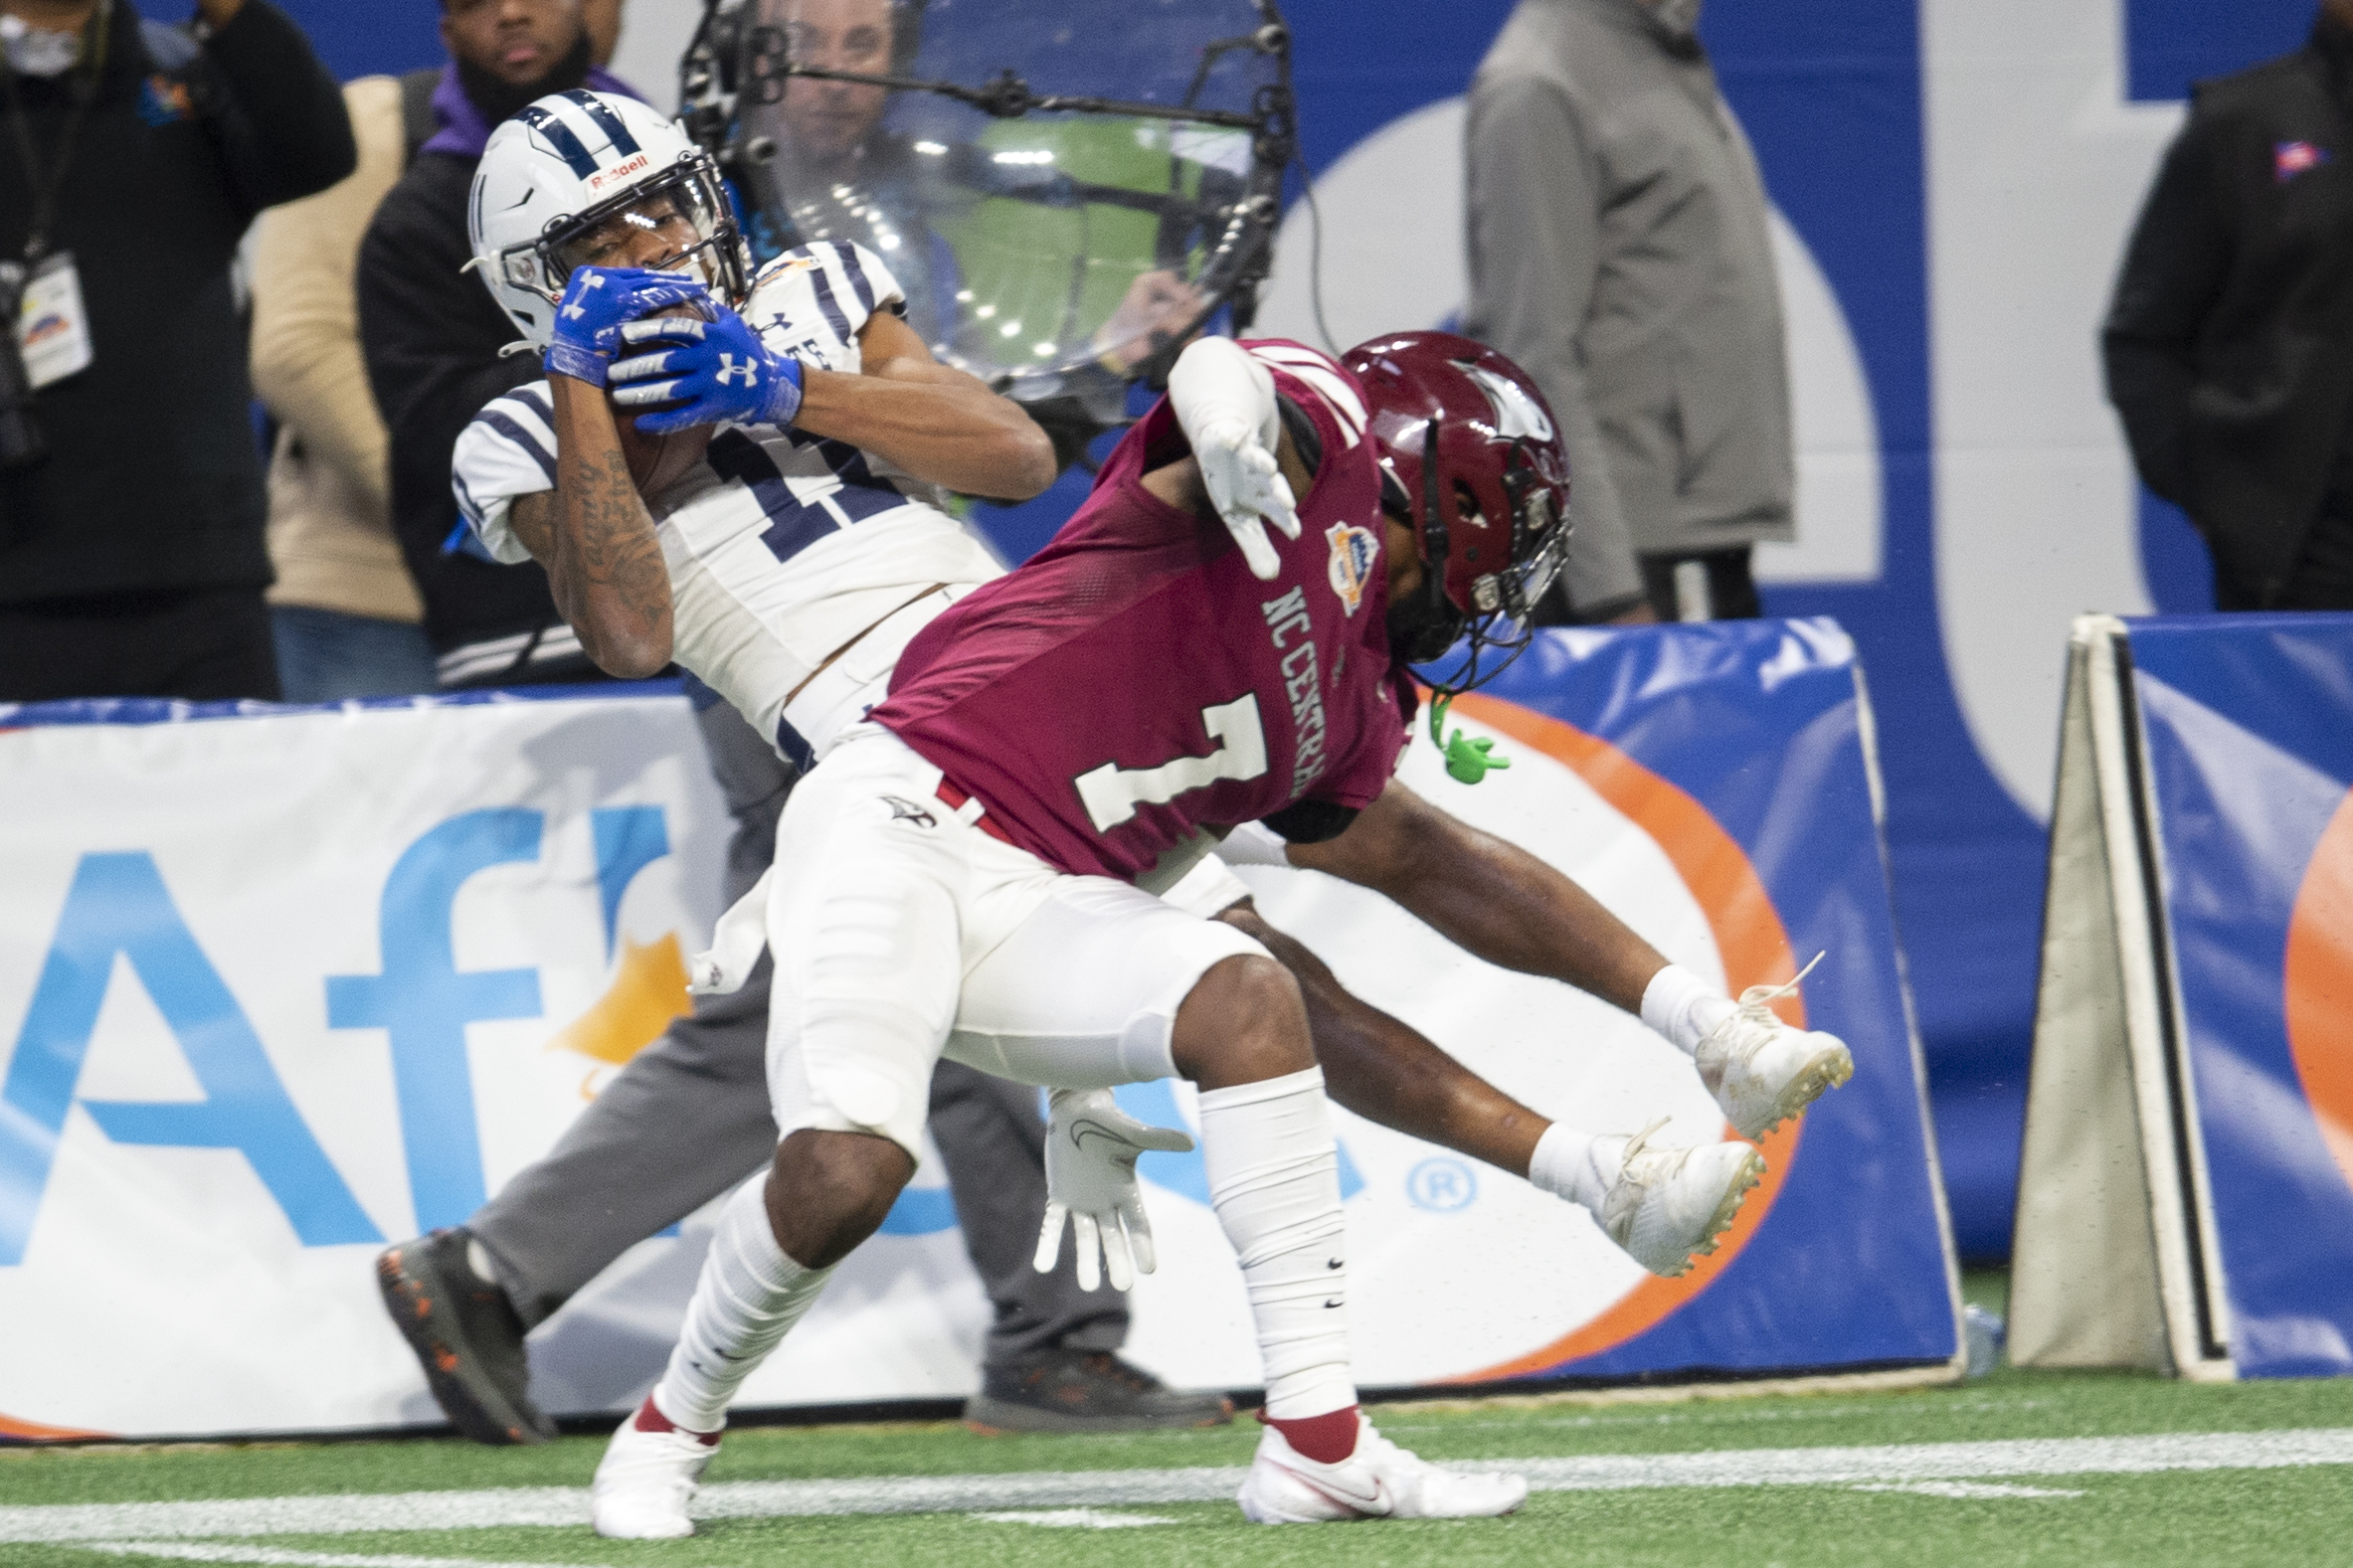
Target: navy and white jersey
783,547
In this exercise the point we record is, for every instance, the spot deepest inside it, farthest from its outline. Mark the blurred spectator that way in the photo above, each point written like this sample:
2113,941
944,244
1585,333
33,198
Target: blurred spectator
432,336
2230,340
1620,253
977,221
344,611
132,555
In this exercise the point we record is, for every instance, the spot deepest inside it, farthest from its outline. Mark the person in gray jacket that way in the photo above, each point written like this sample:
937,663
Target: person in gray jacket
1620,251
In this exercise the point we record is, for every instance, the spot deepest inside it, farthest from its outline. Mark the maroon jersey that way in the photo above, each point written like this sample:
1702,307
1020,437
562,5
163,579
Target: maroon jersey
1133,682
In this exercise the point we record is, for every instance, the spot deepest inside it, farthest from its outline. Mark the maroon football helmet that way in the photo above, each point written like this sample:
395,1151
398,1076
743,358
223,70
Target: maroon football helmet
1471,454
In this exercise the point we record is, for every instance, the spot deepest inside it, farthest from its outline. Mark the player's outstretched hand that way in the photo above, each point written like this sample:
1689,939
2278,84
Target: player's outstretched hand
597,301
719,370
1091,1151
1247,488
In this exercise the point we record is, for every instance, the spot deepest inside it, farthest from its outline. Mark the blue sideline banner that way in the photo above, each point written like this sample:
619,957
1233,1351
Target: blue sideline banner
1715,788
280,985
2230,754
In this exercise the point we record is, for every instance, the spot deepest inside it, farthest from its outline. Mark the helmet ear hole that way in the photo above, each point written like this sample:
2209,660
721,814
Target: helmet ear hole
1467,512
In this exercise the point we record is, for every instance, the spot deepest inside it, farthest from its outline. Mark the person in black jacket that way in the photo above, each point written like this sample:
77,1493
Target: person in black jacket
432,336
131,556
2230,340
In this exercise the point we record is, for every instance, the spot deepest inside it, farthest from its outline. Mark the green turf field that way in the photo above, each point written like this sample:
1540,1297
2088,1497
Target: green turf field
2018,1467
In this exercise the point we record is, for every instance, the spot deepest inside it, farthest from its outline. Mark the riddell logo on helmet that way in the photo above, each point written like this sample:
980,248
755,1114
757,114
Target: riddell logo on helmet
620,171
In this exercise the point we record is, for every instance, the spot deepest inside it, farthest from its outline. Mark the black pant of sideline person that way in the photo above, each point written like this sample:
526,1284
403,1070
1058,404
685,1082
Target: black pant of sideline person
2321,579
1702,585
198,643
686,1120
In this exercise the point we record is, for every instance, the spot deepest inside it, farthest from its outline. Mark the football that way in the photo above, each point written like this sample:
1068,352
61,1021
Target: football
658,462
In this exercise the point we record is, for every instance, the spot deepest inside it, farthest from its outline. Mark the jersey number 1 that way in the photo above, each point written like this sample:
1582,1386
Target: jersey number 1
1111,793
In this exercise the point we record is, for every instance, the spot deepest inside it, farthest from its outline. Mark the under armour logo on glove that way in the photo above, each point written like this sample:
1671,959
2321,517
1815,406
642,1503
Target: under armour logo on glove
597,301
588,277
717,371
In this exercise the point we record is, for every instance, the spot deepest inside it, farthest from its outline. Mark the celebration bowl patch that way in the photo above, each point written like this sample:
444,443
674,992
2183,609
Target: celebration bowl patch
1355,553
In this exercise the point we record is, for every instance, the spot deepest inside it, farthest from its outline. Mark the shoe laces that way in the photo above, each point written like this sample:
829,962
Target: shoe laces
1636,1146
1623,1199
1757,1006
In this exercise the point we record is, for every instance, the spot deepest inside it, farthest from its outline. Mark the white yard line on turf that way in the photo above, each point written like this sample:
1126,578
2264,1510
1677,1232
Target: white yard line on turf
273,1557
1962,1488
1075,1518
563,1505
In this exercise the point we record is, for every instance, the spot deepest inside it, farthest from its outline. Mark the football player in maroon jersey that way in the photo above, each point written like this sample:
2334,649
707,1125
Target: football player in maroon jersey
966,875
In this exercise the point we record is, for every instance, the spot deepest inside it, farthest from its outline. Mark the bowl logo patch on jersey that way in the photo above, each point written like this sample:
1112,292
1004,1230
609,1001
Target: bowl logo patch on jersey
1355,553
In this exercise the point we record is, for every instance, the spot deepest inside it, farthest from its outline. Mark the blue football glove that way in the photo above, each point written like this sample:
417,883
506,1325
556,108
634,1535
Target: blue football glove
719,370
596,302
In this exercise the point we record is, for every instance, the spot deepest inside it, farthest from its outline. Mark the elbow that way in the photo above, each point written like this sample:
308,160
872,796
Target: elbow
632,659
1029,461
627,652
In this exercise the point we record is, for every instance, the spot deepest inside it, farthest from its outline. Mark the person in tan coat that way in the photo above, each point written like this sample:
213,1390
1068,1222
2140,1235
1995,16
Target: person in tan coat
344,614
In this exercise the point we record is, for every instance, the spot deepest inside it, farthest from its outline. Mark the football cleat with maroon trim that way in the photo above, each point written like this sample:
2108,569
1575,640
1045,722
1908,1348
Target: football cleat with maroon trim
1380,1481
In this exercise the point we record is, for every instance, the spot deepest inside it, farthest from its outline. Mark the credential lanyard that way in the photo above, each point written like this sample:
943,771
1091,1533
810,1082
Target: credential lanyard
49,185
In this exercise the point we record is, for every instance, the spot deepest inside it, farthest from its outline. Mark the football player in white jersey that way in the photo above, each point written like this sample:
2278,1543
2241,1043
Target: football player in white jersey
795,547
790,564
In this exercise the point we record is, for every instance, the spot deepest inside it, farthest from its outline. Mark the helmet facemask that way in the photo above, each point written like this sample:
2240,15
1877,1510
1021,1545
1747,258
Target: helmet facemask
1499,618
686,202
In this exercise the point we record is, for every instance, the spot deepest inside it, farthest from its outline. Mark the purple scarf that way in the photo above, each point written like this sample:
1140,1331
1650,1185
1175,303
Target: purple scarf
464,132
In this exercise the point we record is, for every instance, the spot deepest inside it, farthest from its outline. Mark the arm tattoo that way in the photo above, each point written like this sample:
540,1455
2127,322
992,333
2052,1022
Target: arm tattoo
604,561
610,557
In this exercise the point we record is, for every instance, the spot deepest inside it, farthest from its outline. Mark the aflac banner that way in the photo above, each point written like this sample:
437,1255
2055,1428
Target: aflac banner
279,988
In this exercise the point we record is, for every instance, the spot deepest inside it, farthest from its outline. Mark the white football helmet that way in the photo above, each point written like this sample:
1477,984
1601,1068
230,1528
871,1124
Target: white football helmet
567,176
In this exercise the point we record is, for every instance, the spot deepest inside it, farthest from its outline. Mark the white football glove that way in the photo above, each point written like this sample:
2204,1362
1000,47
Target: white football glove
1247,488
1091,1151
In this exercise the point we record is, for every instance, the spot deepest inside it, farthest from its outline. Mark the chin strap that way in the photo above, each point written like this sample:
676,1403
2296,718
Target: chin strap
1467,760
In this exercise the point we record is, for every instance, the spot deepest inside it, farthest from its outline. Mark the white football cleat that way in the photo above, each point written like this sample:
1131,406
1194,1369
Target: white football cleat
644,1482
1669,1203
1380,1481
1761,1071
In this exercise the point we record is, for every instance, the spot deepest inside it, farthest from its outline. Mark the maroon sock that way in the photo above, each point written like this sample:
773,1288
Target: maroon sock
1326,1439
651,1419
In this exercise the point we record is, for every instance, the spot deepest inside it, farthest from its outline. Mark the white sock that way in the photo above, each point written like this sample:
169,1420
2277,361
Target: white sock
1576,1166
1680,1005
750,1295
1274,1181
1562,1165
